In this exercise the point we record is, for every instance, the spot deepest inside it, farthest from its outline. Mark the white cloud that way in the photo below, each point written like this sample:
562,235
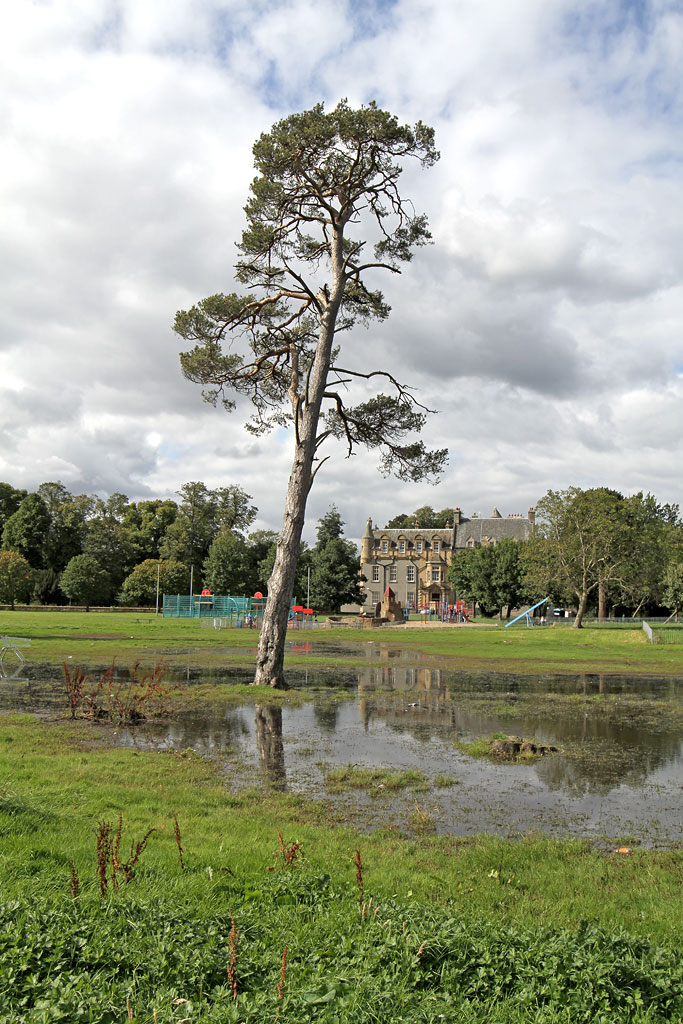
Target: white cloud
543,323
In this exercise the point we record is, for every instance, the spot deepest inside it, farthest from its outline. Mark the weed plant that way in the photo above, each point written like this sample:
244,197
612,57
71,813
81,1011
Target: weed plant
72,961
130,697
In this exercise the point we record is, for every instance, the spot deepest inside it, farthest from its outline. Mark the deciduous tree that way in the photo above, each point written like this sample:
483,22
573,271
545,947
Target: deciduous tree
579,545
26,529
227,568
335,579
326,183
15,578
85,581
140,587
108,541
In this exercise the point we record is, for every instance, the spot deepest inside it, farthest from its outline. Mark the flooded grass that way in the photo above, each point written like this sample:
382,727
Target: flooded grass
618,770
511,749
96,637
374,780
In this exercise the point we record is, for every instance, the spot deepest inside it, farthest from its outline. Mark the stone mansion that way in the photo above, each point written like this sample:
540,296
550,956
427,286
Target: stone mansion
415,562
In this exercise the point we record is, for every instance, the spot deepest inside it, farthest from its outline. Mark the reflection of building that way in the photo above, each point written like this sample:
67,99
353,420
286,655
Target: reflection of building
414,562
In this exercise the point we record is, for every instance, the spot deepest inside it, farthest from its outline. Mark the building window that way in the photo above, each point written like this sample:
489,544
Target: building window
385,546
375,574
436,574
392,574
410,574
435,547
401,547
411,598
418,547
375,596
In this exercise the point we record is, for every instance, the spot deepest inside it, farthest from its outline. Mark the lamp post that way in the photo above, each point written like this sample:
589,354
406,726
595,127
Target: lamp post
158,569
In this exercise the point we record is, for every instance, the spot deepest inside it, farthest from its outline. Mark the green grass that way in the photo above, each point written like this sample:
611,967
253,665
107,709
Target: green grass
485,747
375,780
97,637
476,929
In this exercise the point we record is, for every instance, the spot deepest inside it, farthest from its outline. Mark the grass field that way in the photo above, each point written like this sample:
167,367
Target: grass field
97,637
378,927
409,929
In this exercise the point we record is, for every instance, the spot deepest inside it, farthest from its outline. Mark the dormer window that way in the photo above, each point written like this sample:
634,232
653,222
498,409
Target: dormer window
401,547
470,542
435,547
418,547
385,546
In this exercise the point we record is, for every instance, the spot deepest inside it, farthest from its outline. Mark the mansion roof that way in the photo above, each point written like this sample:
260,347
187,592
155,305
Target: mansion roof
467,532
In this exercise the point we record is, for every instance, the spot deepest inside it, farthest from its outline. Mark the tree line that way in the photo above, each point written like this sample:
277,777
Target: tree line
59,547
594,550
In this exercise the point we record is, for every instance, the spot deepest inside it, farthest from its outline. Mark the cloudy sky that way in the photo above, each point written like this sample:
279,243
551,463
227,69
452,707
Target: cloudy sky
544,323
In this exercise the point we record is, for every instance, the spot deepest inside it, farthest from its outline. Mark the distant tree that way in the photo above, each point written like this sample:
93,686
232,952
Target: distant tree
491,576
147,523
580,544
403,521
260,544
301,574
26,529
108,542
140,587
15,578
652,536
672,591
330,527
424,518
85,582
335,579
64,538
461,575
233,510
201,514
227,567
189,537
319,176
509,577
10,500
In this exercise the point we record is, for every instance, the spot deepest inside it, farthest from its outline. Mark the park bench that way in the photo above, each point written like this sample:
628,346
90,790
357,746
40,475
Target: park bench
13,643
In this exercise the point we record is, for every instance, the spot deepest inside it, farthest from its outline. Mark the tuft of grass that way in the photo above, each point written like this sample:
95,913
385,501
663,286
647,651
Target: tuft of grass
445,781
421,820
500,747
375,780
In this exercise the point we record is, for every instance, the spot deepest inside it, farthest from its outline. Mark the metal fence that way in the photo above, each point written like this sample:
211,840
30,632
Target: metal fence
663,634
184,606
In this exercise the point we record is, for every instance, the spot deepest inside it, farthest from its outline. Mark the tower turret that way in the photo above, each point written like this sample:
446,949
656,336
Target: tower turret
367,542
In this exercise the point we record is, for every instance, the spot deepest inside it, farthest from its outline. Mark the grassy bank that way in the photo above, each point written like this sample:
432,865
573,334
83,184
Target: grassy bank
97,637
457,929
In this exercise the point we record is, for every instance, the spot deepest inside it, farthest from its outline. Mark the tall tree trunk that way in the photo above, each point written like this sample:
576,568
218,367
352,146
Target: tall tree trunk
271,647
601,600
306,410
583,601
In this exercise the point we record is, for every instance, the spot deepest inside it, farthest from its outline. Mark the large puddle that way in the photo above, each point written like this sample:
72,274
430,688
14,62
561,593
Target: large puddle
617,774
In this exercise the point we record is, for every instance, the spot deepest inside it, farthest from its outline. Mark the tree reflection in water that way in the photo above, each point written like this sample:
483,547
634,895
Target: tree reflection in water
271,749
